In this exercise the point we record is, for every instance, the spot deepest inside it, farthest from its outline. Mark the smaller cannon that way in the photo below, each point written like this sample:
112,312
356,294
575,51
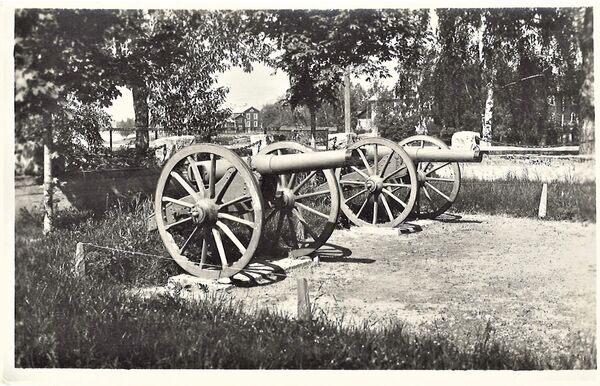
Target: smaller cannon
212,207
372,196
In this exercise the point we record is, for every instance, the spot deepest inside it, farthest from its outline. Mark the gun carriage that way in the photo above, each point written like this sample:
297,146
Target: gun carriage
214,209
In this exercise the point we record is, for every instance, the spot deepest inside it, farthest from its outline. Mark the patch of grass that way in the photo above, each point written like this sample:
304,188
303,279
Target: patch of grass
92,322
521,198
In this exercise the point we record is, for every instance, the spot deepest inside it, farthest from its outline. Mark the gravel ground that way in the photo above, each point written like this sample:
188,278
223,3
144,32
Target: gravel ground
533,281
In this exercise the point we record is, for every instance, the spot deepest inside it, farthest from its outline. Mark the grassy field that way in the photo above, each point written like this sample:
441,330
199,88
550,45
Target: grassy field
65,321
521,198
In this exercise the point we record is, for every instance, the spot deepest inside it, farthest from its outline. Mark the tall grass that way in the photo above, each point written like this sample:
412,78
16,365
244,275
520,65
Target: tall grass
521,198
94,322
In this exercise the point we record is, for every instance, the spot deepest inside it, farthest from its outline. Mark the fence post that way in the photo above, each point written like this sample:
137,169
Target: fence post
543,201
79,262
304,313
110,138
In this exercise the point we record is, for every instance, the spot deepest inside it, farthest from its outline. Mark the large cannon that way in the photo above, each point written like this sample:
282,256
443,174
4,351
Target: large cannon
213,207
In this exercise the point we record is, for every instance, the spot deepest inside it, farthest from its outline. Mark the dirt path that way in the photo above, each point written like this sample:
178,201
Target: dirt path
534,281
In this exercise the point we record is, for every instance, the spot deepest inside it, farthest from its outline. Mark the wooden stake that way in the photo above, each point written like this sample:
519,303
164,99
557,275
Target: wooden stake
543,201
79,263
304,313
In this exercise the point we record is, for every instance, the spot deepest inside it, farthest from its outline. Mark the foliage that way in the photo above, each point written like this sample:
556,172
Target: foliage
529,58
316,47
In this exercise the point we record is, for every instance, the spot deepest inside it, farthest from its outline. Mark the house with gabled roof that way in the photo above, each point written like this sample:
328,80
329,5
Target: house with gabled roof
246,121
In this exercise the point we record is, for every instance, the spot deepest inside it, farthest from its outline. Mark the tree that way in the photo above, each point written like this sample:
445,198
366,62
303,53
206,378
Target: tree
316,47
170,59
587,87
53,62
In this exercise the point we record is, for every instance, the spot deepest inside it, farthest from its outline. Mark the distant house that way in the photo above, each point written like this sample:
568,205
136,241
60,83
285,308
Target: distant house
245,121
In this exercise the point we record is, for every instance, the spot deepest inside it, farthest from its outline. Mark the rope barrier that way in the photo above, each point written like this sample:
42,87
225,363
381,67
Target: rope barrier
539,146
247,270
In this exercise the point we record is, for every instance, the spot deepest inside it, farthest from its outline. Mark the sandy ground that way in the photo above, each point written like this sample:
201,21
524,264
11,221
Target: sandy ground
533,281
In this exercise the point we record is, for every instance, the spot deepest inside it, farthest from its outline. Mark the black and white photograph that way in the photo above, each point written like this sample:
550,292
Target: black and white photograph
319,186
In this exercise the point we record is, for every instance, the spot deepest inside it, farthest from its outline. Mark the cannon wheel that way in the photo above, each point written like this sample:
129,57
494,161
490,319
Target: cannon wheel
305,208
206,236
439,182
382,190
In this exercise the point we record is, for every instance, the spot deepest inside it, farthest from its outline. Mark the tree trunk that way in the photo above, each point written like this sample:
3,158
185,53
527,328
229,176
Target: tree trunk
313,127
140,107
587,139
347,119
486,131
48,178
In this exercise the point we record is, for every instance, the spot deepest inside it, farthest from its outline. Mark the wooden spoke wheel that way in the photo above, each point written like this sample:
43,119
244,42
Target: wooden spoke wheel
381,188
302,208
439,182
209,224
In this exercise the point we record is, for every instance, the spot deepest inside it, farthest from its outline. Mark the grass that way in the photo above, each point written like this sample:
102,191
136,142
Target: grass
521,198
92,322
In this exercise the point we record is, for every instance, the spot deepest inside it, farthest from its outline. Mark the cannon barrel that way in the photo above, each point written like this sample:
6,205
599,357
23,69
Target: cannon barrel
331,159
434,154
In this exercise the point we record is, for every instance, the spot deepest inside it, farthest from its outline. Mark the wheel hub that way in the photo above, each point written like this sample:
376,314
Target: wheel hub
421,177
204,212
285,198
374,184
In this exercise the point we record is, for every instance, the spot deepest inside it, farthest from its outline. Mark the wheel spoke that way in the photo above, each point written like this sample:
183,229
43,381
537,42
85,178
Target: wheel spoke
307,228
313,194
439,179
311,210
387,207
235,201
177,223
397,185
427,195
211,176
231,236
178,202
204,251
270,215
197,176
375,207
438,191
364,159
185,185
186,243
356,195
385,165
220,247
394,172
351,182
229,179
291,180
394,197
363,205
279,226
437,168
293,235
281,176
236,219
363,175
375,161
304,181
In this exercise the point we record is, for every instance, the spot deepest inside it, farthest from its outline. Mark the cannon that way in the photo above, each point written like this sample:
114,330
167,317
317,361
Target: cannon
212,207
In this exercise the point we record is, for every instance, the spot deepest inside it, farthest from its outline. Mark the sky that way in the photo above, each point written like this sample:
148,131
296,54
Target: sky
262,86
